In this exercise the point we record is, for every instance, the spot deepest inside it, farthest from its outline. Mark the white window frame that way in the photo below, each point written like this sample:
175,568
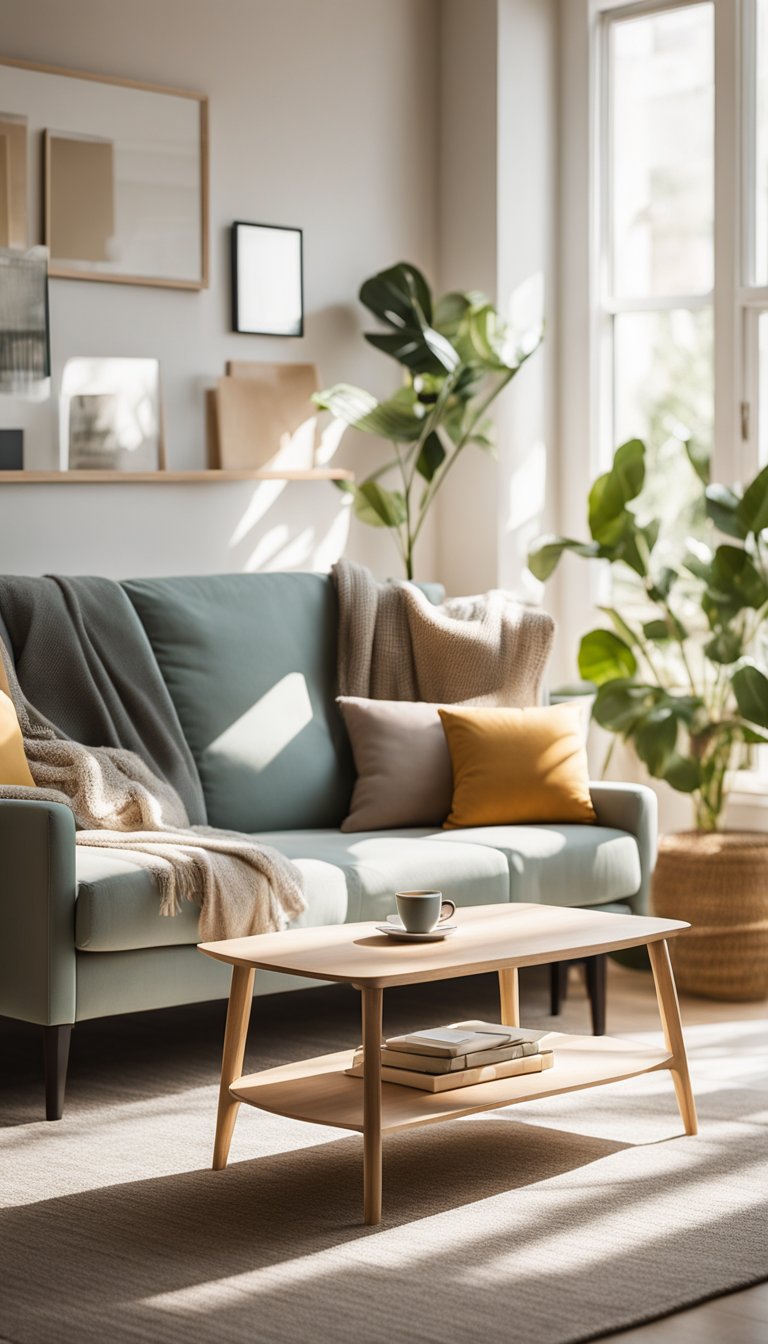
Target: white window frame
586,368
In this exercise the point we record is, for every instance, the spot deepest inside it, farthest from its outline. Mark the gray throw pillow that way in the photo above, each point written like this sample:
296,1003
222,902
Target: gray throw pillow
402,762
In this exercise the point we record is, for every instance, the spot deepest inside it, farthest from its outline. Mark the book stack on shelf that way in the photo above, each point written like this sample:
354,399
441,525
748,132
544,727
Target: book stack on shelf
442,1058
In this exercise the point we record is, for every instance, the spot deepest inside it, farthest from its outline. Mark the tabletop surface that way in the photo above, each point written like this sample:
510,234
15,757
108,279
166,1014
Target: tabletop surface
489,937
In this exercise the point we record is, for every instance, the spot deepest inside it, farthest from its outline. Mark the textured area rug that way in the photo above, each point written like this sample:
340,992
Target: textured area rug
552,1222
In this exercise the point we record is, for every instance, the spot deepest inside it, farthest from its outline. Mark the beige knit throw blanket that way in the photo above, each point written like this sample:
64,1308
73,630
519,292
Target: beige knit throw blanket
121,805
394,644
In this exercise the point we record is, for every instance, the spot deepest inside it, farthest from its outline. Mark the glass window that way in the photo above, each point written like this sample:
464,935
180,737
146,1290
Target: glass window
758,134
762,389
661,156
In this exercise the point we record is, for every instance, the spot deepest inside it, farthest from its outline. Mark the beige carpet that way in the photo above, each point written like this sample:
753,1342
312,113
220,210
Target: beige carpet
552,1222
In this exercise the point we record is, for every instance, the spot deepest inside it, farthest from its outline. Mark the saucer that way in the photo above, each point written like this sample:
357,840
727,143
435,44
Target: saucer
394,928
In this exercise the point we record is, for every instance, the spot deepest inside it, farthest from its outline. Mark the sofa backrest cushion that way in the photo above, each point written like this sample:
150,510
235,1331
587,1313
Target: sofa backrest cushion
250,663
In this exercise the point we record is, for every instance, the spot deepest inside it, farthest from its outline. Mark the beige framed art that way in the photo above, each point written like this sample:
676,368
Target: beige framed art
99,148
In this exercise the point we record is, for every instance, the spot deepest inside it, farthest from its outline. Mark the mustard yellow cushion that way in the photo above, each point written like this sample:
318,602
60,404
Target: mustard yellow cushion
517,765
13,762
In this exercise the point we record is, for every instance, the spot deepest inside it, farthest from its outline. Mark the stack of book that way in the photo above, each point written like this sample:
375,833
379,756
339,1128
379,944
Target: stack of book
466,1053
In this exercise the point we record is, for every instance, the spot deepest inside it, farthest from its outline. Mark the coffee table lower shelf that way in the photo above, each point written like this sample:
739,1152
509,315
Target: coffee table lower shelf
320,1092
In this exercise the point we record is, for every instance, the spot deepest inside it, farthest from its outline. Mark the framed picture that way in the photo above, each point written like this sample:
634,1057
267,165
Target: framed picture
117,171
267,280
110,415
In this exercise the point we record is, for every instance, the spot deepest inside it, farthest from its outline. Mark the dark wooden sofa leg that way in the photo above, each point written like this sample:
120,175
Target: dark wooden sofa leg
56,1057
558,985
595,972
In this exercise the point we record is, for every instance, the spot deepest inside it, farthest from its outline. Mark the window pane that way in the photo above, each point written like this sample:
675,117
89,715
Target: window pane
762,389
760,165
662,152
664,384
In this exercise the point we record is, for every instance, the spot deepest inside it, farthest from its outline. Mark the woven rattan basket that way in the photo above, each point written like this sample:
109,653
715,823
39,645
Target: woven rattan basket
719,883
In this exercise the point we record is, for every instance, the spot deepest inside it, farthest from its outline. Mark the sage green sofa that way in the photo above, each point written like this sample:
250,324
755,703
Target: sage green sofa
249,661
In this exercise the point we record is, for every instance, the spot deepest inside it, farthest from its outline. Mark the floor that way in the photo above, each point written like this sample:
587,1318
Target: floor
740,1318
137,1041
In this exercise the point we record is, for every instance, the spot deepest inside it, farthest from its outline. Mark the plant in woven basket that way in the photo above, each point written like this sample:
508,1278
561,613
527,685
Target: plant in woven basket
675,670
457,355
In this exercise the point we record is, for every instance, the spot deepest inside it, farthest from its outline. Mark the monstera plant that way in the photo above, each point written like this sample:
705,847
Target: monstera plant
677,669
457,355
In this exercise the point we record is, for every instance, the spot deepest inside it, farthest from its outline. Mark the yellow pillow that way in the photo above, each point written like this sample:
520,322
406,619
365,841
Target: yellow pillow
517,765
13,762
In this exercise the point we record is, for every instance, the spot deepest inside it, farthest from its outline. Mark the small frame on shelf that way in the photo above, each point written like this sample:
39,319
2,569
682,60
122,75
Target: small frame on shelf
267,280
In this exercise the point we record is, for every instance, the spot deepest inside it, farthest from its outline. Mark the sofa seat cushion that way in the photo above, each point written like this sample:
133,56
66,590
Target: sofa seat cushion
376,864
351,877
560,864
118,903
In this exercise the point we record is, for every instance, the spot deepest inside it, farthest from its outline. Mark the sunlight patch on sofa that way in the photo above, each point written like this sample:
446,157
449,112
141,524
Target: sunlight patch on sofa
267,728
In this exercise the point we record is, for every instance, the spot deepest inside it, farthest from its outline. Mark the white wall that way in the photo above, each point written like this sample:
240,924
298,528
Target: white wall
467,558
322,116
497,221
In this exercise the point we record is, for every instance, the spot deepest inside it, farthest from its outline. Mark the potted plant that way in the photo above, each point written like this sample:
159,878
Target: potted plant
457,356
676,674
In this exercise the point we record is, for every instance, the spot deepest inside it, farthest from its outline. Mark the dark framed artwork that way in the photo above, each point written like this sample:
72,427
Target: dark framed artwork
267,280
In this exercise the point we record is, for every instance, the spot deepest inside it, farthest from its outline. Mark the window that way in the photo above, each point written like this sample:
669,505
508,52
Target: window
680,288
657,247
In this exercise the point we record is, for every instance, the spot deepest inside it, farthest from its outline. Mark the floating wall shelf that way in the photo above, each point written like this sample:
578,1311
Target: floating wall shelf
168,477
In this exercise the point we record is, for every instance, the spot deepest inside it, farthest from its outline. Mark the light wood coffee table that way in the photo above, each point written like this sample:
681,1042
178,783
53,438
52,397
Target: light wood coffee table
498,938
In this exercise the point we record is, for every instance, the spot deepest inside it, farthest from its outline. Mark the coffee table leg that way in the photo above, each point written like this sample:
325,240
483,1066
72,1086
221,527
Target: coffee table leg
372,1013
669,1012
510,997
238,1016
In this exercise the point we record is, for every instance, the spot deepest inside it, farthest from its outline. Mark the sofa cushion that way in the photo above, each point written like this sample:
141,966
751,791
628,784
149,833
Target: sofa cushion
517,766
563,864
402,762
354,877
250,662
118,904
376,864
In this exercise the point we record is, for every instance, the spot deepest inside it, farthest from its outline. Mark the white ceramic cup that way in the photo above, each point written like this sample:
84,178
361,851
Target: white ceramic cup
422,911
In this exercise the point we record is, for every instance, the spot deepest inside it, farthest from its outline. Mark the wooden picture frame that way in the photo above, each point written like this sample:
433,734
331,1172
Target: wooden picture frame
51,124
258,251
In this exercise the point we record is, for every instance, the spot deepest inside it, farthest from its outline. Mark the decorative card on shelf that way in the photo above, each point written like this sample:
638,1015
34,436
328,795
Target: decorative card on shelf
110,415
265,416
267,280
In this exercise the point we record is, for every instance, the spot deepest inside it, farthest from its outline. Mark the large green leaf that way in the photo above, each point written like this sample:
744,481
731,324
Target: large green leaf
408,347
636,545
609,519
400,418
603,657
450,312
379,507
724,508
698,456
431,457
655,739
544,555
399,296
750,686
621,705
660,631
753,509
734,577
726,646
683,773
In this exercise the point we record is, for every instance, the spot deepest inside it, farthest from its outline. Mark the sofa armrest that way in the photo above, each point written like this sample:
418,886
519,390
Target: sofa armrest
632,808
37,912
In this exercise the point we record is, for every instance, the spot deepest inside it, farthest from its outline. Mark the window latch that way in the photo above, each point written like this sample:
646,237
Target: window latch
744,409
